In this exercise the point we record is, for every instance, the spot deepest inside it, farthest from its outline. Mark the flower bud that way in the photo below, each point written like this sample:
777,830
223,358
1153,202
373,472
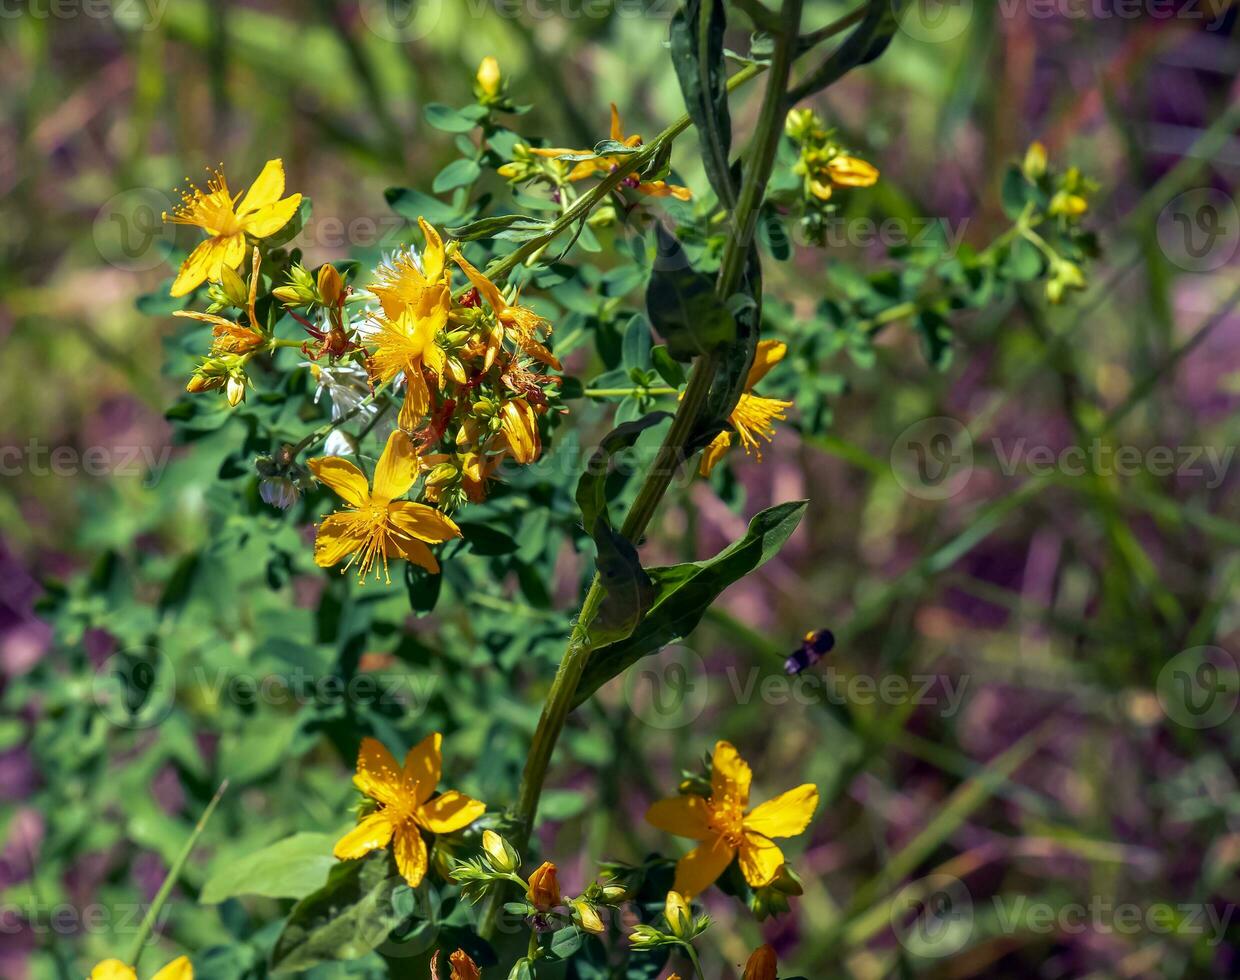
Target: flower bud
501,855
234,389
614,893
489,77
1034,167
233,288
761,965
544,890
676,911
279,491
1068,204
330,285
849,171
463,966
588,917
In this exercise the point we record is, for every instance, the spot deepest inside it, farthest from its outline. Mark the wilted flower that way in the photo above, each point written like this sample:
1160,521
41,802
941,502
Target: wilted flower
761,965
544,887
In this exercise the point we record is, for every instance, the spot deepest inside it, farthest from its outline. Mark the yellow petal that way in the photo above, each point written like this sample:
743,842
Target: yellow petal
717,449
433,254
761,859
178,969
423,765
422,522
204,263
768,354
112,970
849,171
731,775
684,816
373,832
266,189
397,468
702,866
488,290
617,131
450,811
270,219
414,551
417,400
342,476
410,852
337,537
786,815
378,775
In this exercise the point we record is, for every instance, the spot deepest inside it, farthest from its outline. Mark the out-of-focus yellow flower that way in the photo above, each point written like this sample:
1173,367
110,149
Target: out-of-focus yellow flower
754,416
544,887
827,170
260,213
489,76
405,805
761,965
378,526
1035,161
599,165
178,969
725,827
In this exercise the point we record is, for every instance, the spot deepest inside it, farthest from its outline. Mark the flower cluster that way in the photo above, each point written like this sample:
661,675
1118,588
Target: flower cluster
823,166
470,361
1054,203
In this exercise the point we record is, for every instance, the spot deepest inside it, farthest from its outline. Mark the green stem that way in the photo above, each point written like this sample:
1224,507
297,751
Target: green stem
627,392
673,452
152,914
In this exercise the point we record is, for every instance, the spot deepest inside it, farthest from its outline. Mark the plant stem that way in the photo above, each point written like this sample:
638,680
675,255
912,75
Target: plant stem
673,452
627,392
152,914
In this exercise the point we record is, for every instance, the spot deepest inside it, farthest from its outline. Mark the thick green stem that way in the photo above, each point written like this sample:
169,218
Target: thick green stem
673,453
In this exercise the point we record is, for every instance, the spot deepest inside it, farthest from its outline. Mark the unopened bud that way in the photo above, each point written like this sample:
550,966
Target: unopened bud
1034,166
501,855
330,285
676,911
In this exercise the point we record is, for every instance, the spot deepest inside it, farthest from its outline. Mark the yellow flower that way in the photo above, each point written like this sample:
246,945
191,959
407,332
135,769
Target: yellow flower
544,887
377,525
178,969
604,164
761,965
724,828
753,415
405,805
840,170
228,336
402,281
463,967
588,917
259,214
406,345
519,430
489,76
521,323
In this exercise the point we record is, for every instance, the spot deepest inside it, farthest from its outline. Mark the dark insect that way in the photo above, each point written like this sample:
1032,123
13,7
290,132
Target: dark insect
816,645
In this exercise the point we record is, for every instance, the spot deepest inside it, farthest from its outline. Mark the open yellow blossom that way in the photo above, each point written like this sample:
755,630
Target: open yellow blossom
401,281
227,219
377,525
604,164
178,969
519,322
406,345
761,965
726,828
406,808
754,415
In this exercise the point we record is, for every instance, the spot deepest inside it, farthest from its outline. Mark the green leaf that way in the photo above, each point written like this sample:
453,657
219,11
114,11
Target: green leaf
668,367
349,916
448,119
867,41
682,305
291,868
696,34
686,591
636,344
411,204
459,173
514,226
565,942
